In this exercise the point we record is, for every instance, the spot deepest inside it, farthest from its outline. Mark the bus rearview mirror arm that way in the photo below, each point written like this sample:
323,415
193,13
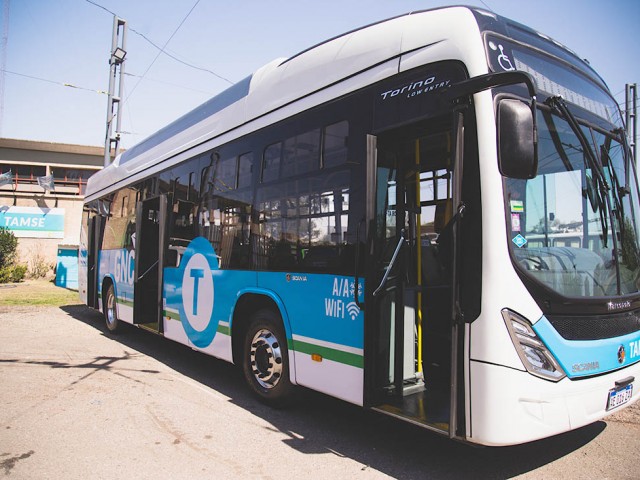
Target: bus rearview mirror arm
490,80
520,129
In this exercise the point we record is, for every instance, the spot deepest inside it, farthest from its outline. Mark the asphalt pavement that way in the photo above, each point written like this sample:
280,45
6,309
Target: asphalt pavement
77,403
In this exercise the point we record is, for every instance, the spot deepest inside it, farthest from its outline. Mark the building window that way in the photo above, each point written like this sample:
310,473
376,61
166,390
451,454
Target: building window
69,181
24,174
71,177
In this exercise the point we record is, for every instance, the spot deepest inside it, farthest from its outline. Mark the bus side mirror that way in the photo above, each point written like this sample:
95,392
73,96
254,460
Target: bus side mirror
517,140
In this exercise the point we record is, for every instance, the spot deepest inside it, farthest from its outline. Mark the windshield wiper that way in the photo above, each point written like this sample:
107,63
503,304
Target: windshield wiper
629,164
559,103
597,170
619,191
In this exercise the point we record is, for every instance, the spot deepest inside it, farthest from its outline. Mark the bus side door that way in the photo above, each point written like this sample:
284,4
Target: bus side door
151,215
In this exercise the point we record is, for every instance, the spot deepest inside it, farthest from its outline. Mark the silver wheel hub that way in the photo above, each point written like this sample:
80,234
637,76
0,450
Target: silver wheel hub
266,358
111,311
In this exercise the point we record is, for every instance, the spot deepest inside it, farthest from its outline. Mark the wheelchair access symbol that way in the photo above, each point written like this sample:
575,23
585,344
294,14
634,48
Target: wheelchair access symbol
503,59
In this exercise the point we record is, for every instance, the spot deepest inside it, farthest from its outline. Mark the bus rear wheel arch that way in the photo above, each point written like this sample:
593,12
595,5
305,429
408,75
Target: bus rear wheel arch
265,359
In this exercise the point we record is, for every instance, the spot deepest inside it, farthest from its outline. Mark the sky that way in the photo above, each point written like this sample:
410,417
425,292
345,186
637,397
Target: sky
47,44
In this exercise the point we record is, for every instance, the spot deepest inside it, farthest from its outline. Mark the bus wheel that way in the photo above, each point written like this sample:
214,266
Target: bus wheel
266,361
110,309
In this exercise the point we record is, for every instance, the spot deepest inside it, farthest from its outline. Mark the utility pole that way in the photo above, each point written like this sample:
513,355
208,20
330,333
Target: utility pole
631,122
3,55
116,75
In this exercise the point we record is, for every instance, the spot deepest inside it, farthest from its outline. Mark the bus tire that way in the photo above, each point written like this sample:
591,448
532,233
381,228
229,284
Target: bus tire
110,309
265,361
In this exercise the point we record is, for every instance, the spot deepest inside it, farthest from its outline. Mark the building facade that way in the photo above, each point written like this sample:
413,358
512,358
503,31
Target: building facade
42,205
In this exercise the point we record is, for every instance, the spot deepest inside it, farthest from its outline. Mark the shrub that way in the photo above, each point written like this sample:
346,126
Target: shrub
8,247
38,267
12,273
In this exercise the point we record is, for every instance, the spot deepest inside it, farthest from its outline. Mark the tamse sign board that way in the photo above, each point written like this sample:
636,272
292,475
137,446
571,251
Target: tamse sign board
33,222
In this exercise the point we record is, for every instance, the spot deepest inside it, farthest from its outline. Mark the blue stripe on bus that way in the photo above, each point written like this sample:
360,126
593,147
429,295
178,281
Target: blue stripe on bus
317,306
119,265
581,358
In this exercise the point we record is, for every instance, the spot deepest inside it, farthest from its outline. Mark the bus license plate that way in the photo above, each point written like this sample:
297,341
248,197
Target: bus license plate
619,397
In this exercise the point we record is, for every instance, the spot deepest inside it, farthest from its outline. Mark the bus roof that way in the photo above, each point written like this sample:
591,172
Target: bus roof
381,49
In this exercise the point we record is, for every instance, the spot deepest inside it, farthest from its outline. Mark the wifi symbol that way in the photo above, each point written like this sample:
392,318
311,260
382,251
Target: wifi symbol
353,310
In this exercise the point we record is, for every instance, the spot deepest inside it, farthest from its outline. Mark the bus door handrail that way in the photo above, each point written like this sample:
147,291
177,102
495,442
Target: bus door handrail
148,270
391,264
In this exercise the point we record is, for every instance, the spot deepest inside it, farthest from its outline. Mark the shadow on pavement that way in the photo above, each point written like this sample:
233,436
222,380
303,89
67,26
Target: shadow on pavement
319,424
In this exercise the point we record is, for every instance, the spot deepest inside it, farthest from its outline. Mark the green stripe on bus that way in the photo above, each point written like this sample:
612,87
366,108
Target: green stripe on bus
171,315
125,302
339,356
224,329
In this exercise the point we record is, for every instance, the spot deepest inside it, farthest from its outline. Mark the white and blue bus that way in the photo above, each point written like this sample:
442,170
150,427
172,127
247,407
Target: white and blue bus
380,217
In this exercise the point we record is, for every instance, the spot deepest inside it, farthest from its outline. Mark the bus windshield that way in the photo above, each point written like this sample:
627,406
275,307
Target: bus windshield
574,227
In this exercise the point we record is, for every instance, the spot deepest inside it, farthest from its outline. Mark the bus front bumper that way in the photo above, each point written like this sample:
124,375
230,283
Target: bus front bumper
521,408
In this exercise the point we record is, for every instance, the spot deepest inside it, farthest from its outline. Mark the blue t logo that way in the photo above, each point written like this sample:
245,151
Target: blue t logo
196,274
195,292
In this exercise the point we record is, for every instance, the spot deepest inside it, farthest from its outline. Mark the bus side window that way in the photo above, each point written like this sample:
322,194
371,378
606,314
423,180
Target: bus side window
334,147
184,184
245,170
224,210
271,162
303,225
226,175
301,153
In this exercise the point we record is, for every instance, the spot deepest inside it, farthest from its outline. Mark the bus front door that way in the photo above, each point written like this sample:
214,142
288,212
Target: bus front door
149,247
412,299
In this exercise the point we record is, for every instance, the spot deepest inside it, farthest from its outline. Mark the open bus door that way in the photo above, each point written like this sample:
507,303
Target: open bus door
151,222
94,240
425,232
413,355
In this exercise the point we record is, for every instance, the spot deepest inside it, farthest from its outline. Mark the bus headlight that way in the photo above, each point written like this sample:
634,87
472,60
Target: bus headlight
535,356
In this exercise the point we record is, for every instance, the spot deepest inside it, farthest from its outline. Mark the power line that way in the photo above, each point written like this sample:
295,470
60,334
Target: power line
63,84
100,6
178,60
129,113
161,49
169,83
485,4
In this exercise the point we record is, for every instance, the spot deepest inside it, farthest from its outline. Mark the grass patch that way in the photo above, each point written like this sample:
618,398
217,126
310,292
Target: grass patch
37,293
